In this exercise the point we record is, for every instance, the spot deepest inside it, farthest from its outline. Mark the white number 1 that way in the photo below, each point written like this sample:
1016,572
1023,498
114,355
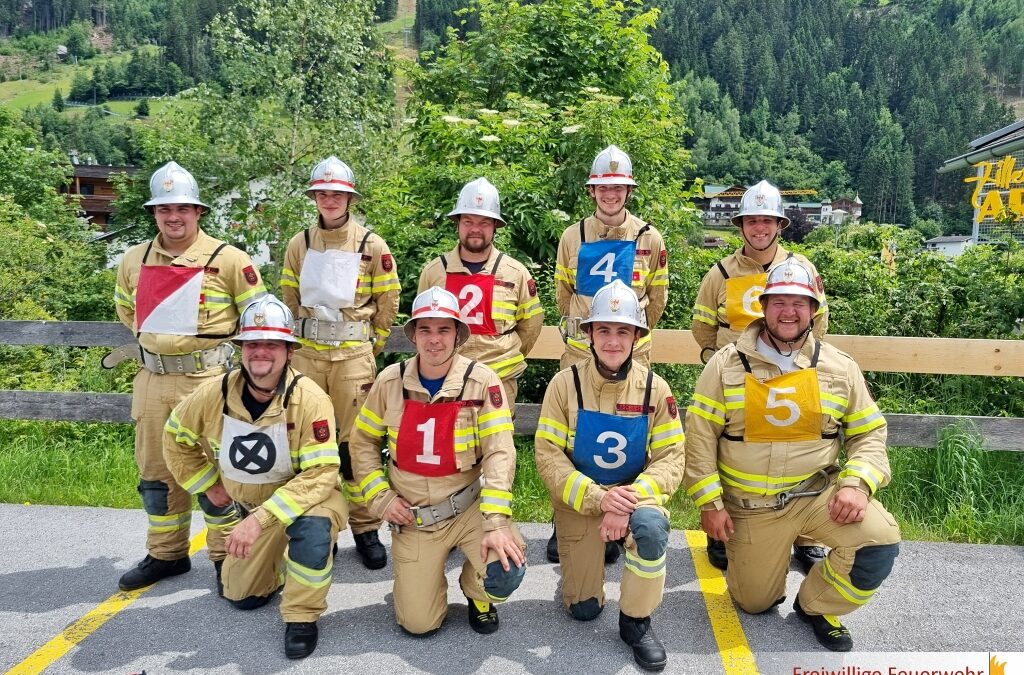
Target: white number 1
428,456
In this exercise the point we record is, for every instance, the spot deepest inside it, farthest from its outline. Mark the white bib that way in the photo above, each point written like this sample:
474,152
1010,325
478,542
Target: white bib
251,454
329,278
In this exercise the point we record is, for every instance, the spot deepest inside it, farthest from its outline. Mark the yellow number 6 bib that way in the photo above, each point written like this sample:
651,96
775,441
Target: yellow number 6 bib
742,300
784,408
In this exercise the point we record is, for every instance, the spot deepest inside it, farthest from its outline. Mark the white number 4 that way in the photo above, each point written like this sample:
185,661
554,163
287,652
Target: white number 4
607,261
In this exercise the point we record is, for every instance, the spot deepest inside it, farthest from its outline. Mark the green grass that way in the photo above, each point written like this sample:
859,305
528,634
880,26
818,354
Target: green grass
29,92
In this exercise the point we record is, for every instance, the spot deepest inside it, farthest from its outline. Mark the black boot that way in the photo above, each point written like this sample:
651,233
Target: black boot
829,632
483,616
300,639
552,550
648,651
151,570
611,552
370,550
716,554
218,565
807,556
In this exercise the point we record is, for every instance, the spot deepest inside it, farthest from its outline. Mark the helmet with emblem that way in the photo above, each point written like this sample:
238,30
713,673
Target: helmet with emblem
617,303
332,175
437,303
266,319
478,198
171,184
792,277
763,199
611,167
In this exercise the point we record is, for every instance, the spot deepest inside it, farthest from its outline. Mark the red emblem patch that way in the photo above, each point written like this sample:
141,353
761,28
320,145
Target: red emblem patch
250,275
321,430
366,387
387,262
636,275
531,285
495,395
821,286
663,260
670,401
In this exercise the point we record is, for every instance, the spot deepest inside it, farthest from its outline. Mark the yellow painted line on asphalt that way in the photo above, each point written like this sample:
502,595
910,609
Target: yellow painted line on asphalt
737,659
45,656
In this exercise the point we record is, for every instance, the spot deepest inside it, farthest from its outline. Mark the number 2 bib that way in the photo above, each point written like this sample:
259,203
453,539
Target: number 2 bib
784,408
610,449
476,295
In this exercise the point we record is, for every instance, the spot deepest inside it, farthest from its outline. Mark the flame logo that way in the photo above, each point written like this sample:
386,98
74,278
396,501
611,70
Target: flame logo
994,667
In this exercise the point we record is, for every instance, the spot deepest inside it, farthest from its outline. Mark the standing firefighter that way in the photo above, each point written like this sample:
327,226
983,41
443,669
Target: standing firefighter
340,281
182,294
449,432
610,450
727,303
762,462
277,461
497,296
611,244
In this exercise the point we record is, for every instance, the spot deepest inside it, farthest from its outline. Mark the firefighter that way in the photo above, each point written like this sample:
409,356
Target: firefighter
340,281
446,424
727,303
610,450
610,244
763,465
181,293
276,461
497,295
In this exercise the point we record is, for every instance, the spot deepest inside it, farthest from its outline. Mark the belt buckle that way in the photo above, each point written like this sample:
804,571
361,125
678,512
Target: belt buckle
416,520
451,500
781,500
199,359
316,329
159,361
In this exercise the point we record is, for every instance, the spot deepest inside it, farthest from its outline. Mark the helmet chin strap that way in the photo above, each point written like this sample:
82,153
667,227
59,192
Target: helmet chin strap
775,339
263,390
613,374
774,240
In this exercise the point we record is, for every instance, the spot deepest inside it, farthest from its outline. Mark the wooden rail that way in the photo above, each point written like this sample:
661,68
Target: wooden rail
883,354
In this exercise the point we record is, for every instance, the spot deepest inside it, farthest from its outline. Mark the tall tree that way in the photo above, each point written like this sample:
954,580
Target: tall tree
886,178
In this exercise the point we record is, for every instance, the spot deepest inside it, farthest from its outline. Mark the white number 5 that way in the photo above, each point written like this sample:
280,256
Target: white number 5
775,403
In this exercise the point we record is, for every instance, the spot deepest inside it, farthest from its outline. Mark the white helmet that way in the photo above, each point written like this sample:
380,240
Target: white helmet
762,199
436,302
333,175
478,198
791,277
617,303
266,319
611,167
171,184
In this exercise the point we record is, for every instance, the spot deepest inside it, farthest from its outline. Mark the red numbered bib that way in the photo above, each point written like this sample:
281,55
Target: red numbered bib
476,297
426,438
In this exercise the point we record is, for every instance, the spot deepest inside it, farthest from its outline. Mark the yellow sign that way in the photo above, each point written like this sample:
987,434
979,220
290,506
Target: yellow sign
998,177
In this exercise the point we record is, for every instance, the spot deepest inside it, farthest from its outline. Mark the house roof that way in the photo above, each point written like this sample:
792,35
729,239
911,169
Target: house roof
952,239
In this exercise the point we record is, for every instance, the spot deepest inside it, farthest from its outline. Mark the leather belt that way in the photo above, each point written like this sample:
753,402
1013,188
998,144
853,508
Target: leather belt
458,502
171,364
319,330
808,488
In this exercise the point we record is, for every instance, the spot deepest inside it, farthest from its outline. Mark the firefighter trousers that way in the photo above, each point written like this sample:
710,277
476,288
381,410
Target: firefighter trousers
419,556
169,507
347,382
861,558
581,552
298,555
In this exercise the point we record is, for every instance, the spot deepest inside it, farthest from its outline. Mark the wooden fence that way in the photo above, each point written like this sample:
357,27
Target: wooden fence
880,354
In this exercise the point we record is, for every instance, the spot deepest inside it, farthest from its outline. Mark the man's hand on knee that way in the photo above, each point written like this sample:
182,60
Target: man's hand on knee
239,542
847,506
505,545
717,524
620,499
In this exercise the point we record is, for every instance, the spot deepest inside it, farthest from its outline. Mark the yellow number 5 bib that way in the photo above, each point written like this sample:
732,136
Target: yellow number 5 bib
784,408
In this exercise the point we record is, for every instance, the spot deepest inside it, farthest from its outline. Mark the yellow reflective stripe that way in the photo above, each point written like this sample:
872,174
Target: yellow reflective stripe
708,409
202,480
860,469
553,431
318,455
307,576
373,484
666,434
496,501
506,366
494,422
757,483
646,569
121,297
709,403
705,314
863,421
529,309
283,507
647,487
735,398
289,273
660,279
575,490
833,405
368,421
170,523
705,490
242,301
221,522
566,274
845,588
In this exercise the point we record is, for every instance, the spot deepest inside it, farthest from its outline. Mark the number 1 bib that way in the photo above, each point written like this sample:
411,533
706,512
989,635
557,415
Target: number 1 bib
602,262
742,300
610,449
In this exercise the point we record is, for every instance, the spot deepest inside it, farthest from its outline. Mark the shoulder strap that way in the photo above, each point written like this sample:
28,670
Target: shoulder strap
305,235
494,270
583,232
444,262
215,253
817,353
291,388
641,231
362,244
149,247
746,363
721,268
465,379
224,391
647,393
401,378
579,389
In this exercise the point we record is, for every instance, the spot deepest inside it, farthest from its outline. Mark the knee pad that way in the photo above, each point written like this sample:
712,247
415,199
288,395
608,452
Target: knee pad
499,584
309,541
650,531
210,509
251,602
346,462
872,564
154,497
585,610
